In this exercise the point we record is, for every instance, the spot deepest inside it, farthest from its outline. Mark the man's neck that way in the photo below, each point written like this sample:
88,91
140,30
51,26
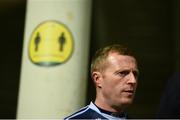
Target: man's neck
103,105
115,114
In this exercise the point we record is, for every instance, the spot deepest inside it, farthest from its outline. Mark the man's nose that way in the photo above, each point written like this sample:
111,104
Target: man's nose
132,79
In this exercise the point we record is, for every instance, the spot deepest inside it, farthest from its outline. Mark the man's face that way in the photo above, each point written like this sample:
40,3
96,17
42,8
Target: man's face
119,80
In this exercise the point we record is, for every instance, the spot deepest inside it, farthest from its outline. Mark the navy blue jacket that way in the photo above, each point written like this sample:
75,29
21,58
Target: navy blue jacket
91,112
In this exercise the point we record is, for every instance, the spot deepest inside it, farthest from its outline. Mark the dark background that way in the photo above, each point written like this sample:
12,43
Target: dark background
150,28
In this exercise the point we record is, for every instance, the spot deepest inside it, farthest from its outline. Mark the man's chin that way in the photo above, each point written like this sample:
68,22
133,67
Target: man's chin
126,101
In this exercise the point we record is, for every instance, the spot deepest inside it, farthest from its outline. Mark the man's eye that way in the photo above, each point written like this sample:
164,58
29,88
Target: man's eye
123,73
135,73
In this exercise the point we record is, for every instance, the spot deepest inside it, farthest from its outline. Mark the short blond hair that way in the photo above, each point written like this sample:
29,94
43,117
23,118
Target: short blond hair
99,59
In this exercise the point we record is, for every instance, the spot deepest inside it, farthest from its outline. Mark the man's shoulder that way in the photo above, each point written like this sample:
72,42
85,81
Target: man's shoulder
85,113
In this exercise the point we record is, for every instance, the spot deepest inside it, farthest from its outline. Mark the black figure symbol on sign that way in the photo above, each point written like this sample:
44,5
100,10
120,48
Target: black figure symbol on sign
37,41
62,41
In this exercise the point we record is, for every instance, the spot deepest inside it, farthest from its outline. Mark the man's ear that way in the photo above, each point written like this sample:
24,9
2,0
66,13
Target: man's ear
97,77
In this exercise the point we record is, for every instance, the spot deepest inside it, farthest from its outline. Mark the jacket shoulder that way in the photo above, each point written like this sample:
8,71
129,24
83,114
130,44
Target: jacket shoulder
85,113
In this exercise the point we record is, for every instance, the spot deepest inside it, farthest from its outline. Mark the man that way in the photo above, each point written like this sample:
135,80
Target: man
114,72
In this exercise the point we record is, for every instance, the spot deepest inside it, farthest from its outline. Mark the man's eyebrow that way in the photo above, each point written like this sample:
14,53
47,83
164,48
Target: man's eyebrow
121,70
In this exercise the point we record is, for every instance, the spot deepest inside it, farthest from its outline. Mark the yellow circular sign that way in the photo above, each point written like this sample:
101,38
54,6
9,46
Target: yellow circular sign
51,43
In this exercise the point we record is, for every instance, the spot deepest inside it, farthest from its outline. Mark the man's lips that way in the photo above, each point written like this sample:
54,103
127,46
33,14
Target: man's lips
129,91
